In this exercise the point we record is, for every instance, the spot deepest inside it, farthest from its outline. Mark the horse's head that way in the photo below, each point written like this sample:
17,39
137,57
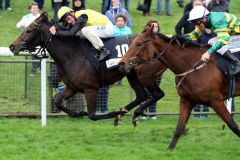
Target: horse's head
31,37
136,54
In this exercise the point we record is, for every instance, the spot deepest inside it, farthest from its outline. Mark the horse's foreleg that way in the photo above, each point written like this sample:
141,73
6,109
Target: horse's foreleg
185,111
126,109
141,96
91,97
59,103
157,94
220,108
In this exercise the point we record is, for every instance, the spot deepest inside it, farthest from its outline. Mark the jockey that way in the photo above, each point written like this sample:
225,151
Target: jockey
223,25
87,23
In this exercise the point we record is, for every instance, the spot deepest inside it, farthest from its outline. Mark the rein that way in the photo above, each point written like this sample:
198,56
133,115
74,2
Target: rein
193,68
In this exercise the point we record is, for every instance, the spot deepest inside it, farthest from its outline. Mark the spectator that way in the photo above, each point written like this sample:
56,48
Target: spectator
115,9
30,17
78,5
187,28
105,5
24,22
40,3
152,109
120,27
167,7
183,23
217,6
148,4
7,5
228,5
180,3
188,7
57,4
125,3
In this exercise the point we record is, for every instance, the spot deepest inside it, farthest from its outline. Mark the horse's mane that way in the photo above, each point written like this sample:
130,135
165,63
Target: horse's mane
178,39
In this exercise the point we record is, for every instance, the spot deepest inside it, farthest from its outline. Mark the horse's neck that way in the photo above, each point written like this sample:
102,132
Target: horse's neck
64,51
45,33
48,41
180,59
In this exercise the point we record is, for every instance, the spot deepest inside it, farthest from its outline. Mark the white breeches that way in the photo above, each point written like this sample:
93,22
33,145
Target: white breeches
233,44
94,33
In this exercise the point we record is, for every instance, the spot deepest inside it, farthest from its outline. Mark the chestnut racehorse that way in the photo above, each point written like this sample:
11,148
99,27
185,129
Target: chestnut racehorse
197,82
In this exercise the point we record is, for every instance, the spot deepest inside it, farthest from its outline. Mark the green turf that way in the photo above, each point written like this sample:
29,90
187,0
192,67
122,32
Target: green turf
71,139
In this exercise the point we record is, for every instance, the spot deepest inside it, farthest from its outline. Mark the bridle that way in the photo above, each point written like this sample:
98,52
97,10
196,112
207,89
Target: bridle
31,48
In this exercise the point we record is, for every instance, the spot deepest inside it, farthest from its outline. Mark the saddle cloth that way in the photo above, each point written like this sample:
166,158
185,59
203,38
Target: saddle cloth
118,46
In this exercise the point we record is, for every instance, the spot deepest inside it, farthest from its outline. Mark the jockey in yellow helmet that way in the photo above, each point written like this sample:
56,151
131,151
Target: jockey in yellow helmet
87,23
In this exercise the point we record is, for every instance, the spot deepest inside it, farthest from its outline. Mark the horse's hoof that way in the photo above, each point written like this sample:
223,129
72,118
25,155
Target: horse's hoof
135,122
121,111
117,120
223,126
185,131
170,148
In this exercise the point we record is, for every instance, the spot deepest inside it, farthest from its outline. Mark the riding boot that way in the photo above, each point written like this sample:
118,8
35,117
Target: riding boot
103,53
231,57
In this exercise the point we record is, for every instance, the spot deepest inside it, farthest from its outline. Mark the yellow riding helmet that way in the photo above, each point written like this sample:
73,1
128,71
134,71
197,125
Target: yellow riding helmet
63,11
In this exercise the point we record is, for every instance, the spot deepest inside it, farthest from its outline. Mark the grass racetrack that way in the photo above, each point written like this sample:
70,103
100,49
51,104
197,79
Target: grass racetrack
67,138
70,139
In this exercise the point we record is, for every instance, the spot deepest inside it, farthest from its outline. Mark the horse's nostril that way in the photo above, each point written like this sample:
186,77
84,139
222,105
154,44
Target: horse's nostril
11,47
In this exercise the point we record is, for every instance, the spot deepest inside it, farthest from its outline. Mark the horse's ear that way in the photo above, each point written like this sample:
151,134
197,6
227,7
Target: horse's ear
44,15
150,30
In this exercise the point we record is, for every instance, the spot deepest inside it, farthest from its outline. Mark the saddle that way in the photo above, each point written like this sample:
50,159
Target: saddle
118,46
225,66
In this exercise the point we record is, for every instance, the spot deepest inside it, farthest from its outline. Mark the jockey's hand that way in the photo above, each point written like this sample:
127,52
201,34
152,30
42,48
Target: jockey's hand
205,57
53,30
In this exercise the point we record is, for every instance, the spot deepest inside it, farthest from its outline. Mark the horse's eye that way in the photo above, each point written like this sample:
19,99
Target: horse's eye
139,44
29,31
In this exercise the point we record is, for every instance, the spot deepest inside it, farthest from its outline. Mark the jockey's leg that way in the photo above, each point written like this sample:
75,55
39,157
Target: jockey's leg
91,33
233,59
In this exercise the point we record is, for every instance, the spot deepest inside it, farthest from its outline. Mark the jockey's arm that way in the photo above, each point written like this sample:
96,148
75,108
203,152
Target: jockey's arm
80,23
194,35
223,38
